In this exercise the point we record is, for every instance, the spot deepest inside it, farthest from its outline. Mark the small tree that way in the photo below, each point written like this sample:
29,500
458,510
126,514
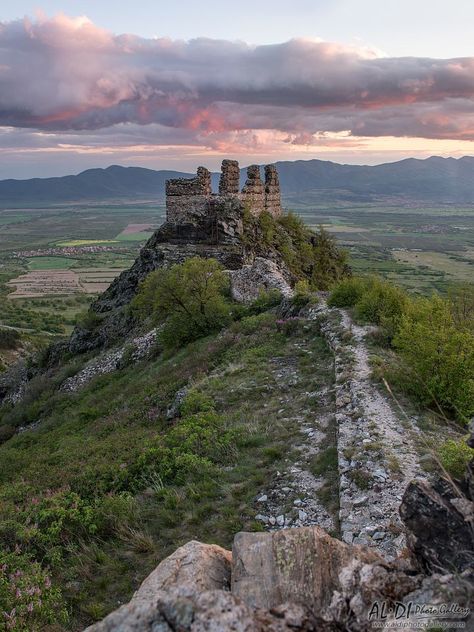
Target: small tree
189,299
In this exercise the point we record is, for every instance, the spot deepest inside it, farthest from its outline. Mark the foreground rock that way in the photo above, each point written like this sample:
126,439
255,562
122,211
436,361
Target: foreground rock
298,565
197,566
297,579
441,524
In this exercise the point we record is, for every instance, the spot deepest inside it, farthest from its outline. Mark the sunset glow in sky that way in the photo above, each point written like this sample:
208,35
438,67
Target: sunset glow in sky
335,80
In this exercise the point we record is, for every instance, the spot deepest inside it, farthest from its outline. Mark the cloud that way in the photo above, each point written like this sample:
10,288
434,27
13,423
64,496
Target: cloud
68,75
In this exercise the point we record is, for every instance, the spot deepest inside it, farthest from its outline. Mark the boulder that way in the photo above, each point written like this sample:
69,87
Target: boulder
263,275
291,565
195,565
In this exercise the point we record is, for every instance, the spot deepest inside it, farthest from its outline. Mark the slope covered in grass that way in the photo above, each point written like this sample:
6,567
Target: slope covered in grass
106,484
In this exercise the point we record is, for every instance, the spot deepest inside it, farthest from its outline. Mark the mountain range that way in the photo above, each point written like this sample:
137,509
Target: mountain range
303,182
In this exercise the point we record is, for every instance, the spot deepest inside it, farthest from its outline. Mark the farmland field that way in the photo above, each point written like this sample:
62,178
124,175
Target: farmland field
54,261
421,248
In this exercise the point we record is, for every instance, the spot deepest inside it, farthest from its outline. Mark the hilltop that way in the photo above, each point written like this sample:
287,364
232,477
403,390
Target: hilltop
435,179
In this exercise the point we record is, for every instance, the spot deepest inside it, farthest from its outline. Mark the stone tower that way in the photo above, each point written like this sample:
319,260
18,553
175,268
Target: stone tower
187,198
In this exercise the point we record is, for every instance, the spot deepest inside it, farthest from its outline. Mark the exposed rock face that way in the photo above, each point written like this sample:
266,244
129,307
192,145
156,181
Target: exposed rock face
441,523
253,192
292,565
181,610
262,275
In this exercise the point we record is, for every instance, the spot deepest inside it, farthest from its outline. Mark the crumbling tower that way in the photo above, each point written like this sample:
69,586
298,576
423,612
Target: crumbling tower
272,191
229,182
253,192
188,196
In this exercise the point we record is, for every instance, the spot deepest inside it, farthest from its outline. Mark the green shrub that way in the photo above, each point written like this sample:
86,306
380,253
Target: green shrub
309,255
252,324
382,304
439,355
455,455
347,292
28,601
190,299
267,299
302,294
90,320
196,402
9,338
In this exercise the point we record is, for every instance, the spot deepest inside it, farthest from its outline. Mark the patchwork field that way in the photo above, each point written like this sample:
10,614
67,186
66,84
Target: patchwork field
57,282
53,261
421,248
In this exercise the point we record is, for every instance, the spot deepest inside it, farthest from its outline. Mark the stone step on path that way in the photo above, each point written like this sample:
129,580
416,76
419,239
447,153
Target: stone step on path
377,456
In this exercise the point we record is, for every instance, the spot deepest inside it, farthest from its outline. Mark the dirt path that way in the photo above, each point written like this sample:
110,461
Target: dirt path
377,455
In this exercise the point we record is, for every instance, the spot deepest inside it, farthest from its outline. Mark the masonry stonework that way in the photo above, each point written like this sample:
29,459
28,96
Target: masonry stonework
187,198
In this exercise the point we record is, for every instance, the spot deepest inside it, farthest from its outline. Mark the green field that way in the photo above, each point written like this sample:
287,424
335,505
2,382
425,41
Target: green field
32,240
421,248
50,263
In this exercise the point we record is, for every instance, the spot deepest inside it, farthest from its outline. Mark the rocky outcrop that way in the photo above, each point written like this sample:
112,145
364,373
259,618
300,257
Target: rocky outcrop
441,524
298,579
292,565
262,275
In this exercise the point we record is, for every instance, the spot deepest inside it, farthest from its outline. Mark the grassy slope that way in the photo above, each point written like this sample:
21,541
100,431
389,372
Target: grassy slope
93,443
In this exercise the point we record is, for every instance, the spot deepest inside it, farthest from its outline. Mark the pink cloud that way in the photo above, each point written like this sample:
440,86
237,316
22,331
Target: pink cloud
66,73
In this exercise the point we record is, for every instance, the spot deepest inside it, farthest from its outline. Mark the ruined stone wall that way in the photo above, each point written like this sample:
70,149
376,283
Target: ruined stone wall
229,183
188,196
272,191
253,192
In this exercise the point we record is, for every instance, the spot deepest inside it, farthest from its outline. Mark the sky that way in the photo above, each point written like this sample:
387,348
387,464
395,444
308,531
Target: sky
175,85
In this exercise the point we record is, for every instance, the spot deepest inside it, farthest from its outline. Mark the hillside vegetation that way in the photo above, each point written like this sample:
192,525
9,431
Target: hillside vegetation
100,483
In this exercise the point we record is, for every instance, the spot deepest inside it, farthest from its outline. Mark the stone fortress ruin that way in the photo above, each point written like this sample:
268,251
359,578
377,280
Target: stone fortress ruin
187,198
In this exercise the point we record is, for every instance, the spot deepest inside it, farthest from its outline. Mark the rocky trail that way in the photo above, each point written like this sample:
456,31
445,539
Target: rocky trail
376,450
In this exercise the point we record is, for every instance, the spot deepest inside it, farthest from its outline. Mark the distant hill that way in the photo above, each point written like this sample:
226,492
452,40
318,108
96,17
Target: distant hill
434,180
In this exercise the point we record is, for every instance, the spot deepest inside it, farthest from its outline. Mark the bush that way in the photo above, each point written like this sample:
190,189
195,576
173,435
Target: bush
455,455
308,255
190,299
28,601
439,354
382,304
9,338
302,294
90,320
347,292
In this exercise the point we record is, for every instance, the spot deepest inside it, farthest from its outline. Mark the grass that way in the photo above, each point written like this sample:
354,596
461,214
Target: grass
101,444
142,236
50,263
